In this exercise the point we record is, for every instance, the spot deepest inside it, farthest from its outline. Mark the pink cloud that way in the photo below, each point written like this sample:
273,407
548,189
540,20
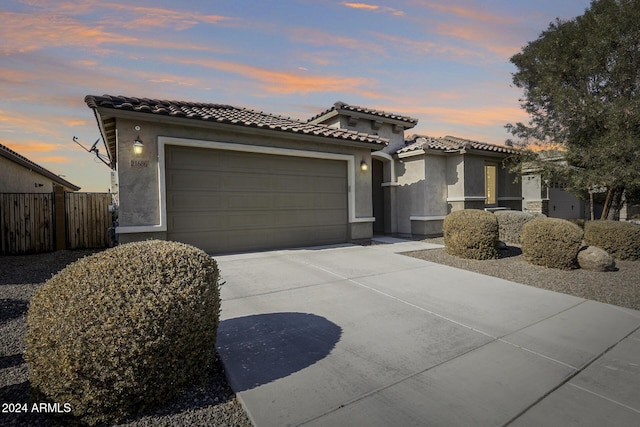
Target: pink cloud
286,82
22,32
487,38
152,17
373,8
324,38
27,32
474,14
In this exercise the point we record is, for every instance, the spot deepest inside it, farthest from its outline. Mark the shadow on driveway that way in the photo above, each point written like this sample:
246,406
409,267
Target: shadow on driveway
262,348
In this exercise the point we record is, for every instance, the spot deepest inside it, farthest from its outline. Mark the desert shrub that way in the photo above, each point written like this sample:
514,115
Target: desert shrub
510,224
579,222
471,233
551,242
620,239
123,330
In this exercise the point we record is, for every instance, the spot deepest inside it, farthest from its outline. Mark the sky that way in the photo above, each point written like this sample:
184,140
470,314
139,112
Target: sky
444,62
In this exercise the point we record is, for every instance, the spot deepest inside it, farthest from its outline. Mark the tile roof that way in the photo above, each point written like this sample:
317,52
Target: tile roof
450,144
8,153
227,114
346,107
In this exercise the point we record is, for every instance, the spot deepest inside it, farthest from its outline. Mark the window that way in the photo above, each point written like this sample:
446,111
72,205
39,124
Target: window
491,184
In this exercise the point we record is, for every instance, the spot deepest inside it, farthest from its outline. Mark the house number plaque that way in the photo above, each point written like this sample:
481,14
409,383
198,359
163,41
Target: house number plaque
139,163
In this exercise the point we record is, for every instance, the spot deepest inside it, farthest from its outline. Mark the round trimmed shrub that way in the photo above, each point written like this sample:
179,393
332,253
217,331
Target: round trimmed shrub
620,239
510,224
124,330
551,242
471,233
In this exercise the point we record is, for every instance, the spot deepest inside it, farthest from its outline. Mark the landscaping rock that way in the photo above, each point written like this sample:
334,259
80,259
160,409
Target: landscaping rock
595,259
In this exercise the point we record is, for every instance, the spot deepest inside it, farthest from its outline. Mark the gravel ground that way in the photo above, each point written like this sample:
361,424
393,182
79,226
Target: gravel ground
620,287
211,403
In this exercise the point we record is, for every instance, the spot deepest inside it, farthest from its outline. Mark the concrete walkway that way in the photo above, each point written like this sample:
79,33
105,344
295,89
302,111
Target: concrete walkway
364,336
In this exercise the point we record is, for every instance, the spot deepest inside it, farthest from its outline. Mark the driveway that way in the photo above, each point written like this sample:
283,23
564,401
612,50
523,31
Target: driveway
354,336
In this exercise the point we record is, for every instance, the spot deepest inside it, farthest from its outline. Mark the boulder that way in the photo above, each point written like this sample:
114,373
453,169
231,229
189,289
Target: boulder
595,259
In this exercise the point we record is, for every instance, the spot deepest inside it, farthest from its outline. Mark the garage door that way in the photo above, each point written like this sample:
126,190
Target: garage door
228,201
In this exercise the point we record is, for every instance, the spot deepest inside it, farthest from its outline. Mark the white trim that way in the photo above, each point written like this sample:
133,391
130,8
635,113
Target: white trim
184,142
467,199
355,220
390,184
427,218
412,153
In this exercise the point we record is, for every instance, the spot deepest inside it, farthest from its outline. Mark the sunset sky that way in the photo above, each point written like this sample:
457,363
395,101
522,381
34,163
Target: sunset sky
443,62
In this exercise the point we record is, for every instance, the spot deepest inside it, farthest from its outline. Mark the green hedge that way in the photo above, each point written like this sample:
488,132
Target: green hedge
471,233
123,330
551,242
620,239
510,224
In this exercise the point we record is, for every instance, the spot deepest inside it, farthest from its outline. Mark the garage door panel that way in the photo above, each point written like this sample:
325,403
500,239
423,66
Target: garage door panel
225,201
222,201
256,219
246,240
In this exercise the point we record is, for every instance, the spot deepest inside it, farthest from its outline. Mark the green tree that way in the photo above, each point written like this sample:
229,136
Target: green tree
581,82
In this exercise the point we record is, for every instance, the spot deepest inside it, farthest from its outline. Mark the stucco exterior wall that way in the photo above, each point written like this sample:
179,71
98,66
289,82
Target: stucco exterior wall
386,130
410,192
139,179
436,187
455,176
15,178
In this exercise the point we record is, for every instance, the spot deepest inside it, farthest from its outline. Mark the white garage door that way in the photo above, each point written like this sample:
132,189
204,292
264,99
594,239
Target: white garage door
228,201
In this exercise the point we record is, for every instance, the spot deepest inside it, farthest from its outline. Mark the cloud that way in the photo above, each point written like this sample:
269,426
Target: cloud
365,6
286,82
26,32
155,17
486,38
73,122
54,159
427,47
21,32
37,151
323,38
373,8
473,14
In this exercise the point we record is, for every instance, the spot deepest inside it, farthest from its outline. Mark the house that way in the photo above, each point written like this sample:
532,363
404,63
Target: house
20,175
550,196
417,181
230,179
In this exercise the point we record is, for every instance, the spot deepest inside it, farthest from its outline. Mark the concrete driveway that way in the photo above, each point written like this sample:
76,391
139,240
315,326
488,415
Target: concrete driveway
355,336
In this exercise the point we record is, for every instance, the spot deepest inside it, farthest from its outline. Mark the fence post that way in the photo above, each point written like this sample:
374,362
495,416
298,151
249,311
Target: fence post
61,238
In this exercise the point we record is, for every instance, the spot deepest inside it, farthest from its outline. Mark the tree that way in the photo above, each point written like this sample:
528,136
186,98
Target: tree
581,81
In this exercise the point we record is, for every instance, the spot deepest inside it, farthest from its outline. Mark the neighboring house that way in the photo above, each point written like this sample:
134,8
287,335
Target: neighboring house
549,196
20,175
230,179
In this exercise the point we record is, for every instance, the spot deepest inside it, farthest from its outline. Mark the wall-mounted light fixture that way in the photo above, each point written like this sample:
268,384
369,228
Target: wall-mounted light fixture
364,166
138,145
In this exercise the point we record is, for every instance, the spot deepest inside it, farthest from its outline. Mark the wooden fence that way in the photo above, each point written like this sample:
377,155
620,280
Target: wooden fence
87,220
44,222
27,223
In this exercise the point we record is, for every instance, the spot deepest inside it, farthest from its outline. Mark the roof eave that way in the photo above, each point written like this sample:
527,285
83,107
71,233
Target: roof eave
105,113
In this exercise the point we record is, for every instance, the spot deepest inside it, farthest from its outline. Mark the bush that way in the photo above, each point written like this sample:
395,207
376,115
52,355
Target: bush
123,330
471,233
620,239
551,242
510,224
579,222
